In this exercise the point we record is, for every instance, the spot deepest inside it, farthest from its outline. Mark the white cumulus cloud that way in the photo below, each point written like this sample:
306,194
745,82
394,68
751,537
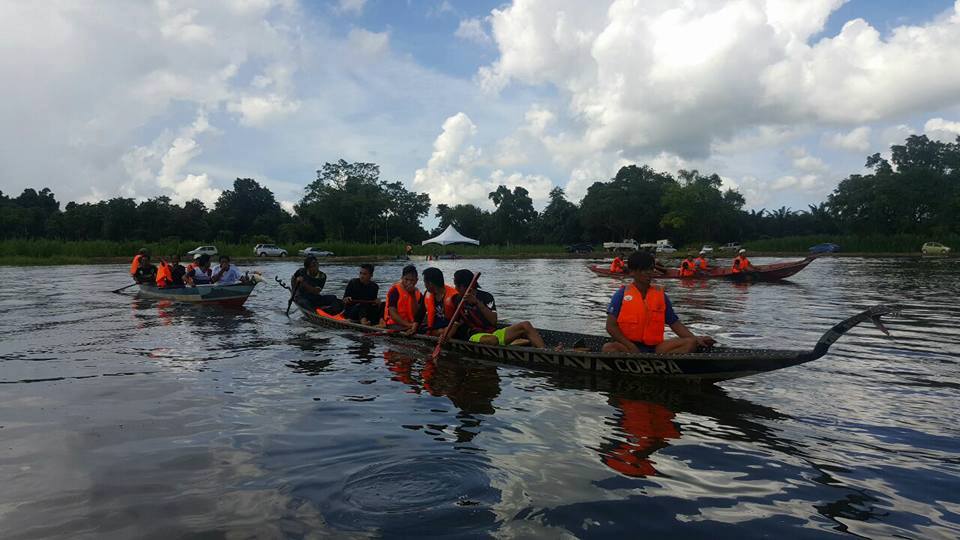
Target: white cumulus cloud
944,130
857,140
473,30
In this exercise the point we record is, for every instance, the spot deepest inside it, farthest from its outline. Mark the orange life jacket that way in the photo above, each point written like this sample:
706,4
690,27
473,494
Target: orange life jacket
406,305
448,305
701,263
617,265
686,268
135,264
740,263
164,275
642,319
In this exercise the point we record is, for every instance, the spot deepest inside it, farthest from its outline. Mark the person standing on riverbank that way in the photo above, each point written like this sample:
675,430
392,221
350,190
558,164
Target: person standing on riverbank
361,297
638,313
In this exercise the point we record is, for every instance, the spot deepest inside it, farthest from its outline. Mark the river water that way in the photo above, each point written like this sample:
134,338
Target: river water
129,418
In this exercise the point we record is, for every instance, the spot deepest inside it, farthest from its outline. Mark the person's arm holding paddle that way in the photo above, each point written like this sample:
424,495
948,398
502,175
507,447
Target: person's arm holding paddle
456,316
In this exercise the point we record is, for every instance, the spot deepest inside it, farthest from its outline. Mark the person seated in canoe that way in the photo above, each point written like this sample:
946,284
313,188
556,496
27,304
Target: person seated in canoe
480,318
170,274
741,263
200,272
360,299
145,272
308,283
701,265
687,268
438,302
638,313
616,267
404,303
135,263
226,273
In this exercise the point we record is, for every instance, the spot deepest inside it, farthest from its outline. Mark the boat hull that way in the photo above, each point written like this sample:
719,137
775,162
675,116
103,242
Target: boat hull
705,367
223,295
763,272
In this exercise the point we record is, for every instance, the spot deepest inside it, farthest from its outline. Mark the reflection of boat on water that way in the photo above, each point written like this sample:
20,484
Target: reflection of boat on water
223,295
581,351
763,272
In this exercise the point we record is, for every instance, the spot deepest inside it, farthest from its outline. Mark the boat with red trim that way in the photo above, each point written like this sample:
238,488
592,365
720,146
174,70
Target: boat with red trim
763,272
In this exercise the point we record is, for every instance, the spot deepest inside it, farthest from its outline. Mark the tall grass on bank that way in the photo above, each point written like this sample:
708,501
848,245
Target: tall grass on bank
26,251
899,243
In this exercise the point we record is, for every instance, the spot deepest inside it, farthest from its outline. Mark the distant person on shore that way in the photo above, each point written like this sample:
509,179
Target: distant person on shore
701,264
361,297
741,263
144,271
404,302
200,272
438,302
308,282
226,273
638,313
480,318
616,267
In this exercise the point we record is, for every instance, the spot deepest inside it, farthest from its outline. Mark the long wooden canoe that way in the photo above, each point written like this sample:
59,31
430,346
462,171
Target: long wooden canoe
224,295
763,272
716,364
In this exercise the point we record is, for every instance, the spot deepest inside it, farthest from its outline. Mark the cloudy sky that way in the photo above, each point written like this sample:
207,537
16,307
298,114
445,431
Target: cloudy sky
782,98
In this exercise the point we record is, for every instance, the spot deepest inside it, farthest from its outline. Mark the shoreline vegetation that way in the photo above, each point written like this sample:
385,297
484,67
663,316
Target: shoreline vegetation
901,203
41,252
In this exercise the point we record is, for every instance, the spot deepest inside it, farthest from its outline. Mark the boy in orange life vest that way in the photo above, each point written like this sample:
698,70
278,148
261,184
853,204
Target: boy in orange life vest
700,264
638,312
741,263
438,302
403,302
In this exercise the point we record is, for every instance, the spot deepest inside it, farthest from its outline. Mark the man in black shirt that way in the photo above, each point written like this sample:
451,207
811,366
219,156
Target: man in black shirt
361,298
308,282
176,271
479,318
145,272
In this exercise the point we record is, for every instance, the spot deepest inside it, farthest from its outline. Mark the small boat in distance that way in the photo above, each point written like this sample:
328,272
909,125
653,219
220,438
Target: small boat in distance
223,295
763,272
581,352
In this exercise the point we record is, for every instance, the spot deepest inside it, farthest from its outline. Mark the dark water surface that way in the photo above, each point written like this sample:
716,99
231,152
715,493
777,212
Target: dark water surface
127,418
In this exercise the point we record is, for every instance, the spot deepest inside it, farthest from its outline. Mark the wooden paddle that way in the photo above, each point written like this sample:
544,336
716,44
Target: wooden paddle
456,315
117,291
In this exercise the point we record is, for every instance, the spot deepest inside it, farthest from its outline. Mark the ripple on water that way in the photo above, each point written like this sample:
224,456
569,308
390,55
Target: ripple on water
416,492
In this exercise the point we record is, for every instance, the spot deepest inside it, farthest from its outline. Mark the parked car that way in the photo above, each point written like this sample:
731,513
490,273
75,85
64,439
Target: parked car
316,252
203,250
826,247
732,246
707,248
935,248
664,246
579,248
269,250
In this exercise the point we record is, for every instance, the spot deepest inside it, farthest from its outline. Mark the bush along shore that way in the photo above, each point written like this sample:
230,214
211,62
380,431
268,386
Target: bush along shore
23,252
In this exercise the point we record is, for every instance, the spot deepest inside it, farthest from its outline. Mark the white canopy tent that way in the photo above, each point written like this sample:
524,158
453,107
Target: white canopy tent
450,235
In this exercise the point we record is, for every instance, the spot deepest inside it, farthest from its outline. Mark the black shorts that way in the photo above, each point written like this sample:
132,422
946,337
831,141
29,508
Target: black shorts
644,348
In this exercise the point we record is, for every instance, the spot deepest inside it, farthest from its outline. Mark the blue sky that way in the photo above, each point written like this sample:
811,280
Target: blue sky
782,99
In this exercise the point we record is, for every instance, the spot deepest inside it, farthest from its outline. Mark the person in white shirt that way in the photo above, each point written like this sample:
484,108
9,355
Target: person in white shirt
225,273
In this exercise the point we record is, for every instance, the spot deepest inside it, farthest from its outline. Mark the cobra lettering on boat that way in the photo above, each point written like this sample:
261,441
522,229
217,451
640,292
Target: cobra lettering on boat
647,367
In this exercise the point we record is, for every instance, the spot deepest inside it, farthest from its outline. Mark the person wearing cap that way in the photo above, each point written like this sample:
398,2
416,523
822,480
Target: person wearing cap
404,302
638,313
741,263
480,317
700,264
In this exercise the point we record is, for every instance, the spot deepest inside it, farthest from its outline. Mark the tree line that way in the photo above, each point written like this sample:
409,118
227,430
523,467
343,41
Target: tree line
915,191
